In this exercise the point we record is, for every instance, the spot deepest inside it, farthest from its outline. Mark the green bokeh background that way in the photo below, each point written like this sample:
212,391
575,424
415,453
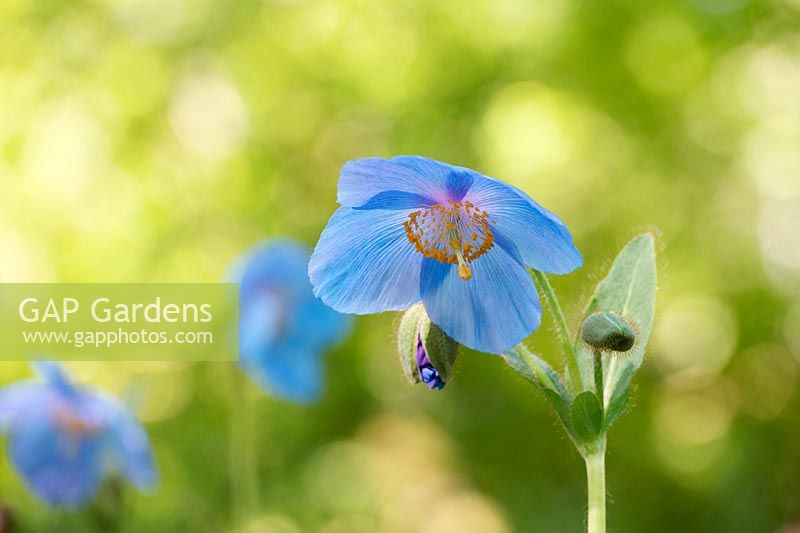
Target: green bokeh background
147,140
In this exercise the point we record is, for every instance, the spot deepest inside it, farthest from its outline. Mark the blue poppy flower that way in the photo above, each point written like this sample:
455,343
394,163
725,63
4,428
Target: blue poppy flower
412,229
283,328
64,439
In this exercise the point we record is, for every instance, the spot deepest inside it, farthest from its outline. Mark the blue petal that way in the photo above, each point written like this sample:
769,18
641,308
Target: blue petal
60,468
50,371
405,182
283,327
491,312
125,443
455,180
261,322
289,371
396,200
541,238
363,262
277,299
316,325
18,399
280,262
54,375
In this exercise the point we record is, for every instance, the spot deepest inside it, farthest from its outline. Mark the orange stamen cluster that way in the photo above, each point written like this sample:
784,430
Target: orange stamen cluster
74,424
456,233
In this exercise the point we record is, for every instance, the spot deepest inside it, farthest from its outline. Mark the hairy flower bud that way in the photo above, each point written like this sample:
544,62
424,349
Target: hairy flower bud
427,354
607,331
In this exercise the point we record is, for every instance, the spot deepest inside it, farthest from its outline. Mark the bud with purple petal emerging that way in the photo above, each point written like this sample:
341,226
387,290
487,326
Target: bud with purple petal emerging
427,354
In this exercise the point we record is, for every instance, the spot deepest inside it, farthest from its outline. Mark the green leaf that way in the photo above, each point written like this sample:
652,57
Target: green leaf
629,290
618,400
560,406
538,372
587,416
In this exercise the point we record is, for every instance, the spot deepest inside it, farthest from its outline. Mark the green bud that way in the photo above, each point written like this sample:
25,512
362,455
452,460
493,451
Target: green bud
427,354
608,331
407,334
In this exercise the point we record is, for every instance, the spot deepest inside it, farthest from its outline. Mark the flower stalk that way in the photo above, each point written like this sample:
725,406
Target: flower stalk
598,375
596,489
562,329
617,320
593,452
243,454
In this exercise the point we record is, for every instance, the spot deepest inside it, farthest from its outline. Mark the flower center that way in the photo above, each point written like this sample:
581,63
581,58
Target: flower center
456,233
73,424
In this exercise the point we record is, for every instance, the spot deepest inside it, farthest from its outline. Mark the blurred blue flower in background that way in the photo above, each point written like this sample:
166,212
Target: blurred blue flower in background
283,328
413,229
64,439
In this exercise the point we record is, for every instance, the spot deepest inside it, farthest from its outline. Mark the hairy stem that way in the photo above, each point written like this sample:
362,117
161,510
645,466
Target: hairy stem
596,484
564,335
540,375
598,376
